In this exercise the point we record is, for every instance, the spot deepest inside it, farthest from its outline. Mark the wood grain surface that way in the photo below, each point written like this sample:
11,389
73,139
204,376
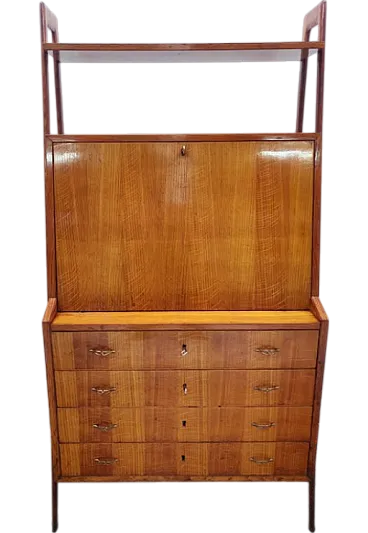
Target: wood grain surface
185,320
212,388
150,350
141,227
165,459
171,424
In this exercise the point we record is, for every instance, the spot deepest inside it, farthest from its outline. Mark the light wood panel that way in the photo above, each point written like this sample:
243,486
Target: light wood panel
179,320
202,349
213,388
180,459
226,226
155,424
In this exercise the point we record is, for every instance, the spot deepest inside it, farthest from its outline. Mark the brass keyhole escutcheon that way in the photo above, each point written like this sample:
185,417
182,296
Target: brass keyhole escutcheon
183,149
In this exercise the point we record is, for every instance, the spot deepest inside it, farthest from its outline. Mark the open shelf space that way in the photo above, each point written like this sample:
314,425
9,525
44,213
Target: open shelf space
182,53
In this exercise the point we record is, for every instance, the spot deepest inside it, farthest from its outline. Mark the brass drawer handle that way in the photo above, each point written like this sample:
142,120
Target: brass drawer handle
266,389
185,388
268,351
105,427
263,426
105,460
102,353
261,461
103,390
184,350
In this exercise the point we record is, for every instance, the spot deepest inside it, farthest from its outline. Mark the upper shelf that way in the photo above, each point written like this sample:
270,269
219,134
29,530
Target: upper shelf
181,53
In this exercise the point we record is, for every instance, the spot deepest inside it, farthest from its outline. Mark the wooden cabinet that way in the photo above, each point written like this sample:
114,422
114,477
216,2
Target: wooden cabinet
207,222
184,335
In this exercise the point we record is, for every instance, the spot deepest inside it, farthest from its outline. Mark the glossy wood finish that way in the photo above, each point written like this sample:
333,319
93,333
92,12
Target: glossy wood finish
214,388
184,459
144,350
152,424
47,319
185,320
183,137
218,193
50,220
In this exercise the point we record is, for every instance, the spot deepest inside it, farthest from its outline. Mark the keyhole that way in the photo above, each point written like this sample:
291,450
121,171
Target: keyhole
184,350
183,457
184,423
185,388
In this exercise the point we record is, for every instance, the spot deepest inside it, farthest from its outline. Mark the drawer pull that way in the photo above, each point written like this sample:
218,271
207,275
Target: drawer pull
261,461
101,353
105,427
263,426
184,350
105,460
185,388
103,390
183,149
266,389
268,351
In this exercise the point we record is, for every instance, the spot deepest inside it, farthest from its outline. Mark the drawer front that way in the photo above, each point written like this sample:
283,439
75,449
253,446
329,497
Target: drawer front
157,424
183,459
213,388
151,350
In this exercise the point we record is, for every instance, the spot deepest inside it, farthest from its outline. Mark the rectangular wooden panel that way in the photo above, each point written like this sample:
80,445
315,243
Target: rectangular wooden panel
260,387
185,320
171,424
183,459
197,388
258,458
145,350
139,226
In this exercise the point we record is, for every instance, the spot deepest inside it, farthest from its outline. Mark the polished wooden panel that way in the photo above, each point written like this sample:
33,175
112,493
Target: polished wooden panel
134,459
166,388
182,137
205,349
171,424
167,459
185,320
233,459
208,224
295,387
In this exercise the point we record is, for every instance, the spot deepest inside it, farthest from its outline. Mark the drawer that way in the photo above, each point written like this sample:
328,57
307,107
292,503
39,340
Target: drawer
212,388
183,459
151,350
172,424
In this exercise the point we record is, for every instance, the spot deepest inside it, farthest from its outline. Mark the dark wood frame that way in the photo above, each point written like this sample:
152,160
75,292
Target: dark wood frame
316,17
49,316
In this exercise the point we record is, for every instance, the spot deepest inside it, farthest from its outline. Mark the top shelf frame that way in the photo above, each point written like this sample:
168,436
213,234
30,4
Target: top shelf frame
182,53
185,53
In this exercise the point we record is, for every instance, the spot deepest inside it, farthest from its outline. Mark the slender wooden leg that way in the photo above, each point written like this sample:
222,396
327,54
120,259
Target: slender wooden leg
312,499
55,523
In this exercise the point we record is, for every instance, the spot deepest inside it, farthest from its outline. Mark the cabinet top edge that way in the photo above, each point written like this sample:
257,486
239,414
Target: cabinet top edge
208,137
179,320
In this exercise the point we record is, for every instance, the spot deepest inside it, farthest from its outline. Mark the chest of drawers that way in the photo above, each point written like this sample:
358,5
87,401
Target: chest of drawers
227,396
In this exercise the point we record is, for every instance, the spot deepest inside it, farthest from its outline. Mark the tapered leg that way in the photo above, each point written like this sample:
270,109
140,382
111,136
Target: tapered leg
312,499
54,506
